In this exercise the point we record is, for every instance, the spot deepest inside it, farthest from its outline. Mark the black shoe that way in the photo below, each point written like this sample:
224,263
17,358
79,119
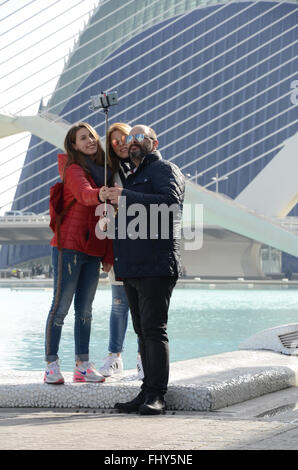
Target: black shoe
154,405
133,405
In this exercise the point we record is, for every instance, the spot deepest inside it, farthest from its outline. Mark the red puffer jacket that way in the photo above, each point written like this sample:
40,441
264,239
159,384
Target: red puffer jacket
78,225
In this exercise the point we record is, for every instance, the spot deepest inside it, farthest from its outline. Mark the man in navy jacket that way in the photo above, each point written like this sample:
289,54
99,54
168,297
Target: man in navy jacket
147,258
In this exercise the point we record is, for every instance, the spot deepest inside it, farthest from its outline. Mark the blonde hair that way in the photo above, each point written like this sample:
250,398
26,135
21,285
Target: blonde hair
125,129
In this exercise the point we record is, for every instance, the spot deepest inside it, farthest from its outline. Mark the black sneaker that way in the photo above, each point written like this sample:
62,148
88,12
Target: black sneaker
154,405
133,405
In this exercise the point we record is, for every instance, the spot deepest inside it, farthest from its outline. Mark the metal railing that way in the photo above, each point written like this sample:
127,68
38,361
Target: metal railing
37,219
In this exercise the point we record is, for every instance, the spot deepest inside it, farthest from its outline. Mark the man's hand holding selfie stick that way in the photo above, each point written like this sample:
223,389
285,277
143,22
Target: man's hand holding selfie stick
112,194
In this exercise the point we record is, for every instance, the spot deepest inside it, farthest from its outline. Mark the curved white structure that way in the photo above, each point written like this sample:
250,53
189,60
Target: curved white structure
274,191
49,128
282,339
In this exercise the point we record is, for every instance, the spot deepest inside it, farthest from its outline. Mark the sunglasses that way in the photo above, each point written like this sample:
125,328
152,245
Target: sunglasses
138,138
117,142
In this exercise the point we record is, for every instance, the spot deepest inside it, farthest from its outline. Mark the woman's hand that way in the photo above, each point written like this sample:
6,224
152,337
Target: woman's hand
103,193
114,194
106,267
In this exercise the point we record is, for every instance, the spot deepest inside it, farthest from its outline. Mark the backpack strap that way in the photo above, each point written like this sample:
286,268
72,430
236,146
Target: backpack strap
59,220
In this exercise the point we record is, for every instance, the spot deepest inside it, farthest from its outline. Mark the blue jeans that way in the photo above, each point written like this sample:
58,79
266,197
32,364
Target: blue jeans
118,318
75,275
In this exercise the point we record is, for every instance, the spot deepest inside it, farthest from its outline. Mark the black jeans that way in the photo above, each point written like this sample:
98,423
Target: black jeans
149,300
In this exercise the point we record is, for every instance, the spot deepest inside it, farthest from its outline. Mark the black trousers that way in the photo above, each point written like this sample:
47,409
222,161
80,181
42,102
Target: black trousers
149,300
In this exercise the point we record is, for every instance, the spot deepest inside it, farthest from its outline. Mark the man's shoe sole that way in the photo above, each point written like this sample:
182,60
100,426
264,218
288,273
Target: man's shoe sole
146,410
127,410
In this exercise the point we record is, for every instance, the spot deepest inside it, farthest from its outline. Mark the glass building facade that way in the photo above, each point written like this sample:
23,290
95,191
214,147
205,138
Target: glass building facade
212,78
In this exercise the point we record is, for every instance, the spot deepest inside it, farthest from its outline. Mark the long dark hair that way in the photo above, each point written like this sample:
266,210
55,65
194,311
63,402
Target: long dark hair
114,159
74,156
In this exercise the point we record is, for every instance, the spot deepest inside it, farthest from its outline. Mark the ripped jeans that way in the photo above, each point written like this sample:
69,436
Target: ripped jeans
118,318
76,275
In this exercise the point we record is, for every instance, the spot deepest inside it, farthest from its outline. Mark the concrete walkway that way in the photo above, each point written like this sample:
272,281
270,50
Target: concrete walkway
233,428
203,384
237,400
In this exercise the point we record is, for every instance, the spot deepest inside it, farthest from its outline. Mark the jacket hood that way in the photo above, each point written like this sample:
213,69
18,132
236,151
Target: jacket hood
62,159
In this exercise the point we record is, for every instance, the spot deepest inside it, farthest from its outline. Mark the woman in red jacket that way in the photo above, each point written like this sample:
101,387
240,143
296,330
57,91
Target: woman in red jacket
76,266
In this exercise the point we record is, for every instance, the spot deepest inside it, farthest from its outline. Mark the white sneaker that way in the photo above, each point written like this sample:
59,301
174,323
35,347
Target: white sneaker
86,372
113,365
140,368
52,374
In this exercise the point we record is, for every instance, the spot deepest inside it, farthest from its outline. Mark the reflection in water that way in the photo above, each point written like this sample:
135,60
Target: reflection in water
202,322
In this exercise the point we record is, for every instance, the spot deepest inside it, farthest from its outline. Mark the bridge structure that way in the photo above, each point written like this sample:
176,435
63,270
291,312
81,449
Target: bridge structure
230,127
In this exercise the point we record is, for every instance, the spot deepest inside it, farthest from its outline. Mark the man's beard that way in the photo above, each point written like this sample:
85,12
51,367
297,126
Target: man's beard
137,155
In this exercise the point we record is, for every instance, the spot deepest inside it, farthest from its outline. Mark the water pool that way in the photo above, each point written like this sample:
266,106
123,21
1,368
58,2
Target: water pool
202,321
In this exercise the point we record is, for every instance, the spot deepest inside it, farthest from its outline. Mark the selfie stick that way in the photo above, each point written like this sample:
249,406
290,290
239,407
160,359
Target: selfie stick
104,101
106,111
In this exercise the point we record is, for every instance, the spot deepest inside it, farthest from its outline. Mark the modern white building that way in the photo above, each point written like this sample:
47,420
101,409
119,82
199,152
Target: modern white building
216,80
